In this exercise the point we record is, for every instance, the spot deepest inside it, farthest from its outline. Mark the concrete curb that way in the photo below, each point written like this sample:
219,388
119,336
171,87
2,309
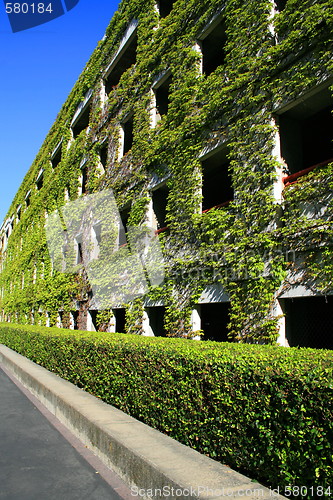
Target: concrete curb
152,464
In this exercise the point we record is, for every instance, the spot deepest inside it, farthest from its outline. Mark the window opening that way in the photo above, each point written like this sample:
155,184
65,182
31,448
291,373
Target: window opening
280,4
213,48
103,155
28,199
309,321
60,319
93,314
217,188
120,319
40,181
215,318
160,199
75,316
156,320
124,62
124,216
79,251
56,157
127,135
162,93
306,135
82,122
84,180
165,7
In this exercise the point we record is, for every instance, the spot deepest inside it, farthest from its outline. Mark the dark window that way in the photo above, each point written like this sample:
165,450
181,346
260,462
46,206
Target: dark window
162,93
165,7
93,315
56,158
84,180
160,199
156,320
79,259
27,199
39,182
75,315
213,49
317,135
103,155
280,4
216,181
128,135
82,122
309,321
214,321
306,136
18,214
124,215
125,61
120,318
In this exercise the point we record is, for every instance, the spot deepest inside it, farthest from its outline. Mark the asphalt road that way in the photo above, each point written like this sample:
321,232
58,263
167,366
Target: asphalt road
36,461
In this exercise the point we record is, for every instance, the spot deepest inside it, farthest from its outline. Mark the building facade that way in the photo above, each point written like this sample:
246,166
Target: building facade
209,122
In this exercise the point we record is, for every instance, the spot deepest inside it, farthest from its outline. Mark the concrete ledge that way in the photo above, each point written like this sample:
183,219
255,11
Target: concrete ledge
144,458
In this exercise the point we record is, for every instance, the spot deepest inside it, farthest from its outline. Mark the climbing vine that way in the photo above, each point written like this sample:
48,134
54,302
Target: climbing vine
270,59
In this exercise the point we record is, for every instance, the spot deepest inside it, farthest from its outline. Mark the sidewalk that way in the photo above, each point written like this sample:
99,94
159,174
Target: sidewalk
36,461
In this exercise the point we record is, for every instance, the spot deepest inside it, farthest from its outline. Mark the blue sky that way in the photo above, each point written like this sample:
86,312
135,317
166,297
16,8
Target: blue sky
39,67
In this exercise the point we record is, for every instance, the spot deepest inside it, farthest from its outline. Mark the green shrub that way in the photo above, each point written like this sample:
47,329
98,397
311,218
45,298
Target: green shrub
263,410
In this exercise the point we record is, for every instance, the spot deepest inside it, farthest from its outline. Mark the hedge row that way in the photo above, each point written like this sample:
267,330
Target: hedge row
263,410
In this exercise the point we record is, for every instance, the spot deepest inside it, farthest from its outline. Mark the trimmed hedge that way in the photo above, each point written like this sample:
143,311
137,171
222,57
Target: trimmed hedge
263,410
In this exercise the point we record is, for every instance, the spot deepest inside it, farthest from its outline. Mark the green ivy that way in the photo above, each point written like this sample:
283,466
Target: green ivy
243,247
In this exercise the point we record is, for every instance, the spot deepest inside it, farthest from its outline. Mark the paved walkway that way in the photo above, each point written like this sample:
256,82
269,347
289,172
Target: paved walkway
37,462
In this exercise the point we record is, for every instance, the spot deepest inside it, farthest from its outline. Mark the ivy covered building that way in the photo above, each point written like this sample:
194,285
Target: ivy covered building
211,122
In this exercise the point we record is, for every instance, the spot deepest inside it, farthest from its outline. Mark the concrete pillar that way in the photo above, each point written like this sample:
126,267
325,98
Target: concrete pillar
90,324
278,311
58,322
120,152
196,321
71,321
197,47
103,95
150,217
154,117
147,330
112,325
278,184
